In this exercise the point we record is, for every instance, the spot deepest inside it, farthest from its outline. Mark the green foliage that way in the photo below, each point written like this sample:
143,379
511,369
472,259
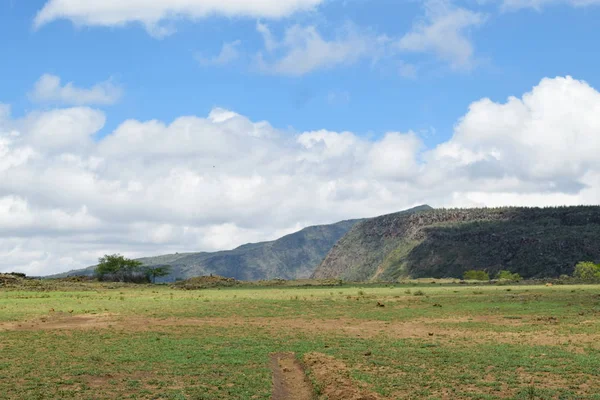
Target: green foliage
587,271
116,267
157,272
508,276
476,275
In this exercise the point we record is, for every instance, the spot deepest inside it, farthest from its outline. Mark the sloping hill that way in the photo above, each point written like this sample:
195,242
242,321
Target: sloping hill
293,256
533,242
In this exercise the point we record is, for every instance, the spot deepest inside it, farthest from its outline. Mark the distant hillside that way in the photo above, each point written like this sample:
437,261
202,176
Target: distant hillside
293,256
533,242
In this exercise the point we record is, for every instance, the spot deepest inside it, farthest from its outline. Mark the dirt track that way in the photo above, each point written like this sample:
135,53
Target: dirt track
334,378
289,379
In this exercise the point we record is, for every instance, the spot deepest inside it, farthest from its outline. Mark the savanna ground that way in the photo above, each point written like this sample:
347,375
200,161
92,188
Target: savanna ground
422,341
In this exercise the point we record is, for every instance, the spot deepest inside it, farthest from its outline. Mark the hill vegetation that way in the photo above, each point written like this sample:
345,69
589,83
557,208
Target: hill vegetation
531,242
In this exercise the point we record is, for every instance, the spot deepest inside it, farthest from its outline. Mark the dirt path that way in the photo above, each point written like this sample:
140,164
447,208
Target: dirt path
289,379
334,378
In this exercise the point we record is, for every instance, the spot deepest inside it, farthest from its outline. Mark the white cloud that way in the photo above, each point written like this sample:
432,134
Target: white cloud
444,33
62,129
539,4
395,156
270,41
49,89
152,13
214,182
303,49
549,137
229,53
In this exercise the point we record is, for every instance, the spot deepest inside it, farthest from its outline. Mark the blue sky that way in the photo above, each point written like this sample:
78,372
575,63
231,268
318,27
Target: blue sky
513,50
145,128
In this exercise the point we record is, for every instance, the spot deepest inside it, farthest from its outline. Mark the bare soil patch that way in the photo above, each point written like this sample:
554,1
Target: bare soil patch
435,330
289,379
61,321
334,379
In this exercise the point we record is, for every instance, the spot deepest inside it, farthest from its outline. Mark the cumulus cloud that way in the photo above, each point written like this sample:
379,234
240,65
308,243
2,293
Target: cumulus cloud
152,13
444,33
49,89
214,182
303,49
549,137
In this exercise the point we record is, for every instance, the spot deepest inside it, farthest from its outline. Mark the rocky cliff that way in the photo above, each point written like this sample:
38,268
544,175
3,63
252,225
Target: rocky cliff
533,242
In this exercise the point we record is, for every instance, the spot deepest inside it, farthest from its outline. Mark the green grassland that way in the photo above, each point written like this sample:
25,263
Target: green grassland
428,341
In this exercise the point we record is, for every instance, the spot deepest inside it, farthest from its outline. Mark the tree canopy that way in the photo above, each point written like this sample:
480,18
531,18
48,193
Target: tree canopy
157,272
118,268
587,271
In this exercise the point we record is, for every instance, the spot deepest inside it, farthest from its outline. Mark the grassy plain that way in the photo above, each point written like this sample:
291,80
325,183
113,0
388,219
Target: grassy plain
422,341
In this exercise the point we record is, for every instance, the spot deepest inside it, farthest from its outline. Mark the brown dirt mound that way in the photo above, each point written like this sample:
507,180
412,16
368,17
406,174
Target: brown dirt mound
289,379
205,282
9,279
76,279
334,379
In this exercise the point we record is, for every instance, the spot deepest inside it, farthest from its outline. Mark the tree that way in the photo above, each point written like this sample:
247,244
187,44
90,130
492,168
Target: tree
475,275
508,276
587,271
156,272
117,267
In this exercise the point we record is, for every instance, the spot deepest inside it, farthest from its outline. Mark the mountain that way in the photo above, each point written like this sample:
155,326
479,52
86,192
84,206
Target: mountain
293,256
438,243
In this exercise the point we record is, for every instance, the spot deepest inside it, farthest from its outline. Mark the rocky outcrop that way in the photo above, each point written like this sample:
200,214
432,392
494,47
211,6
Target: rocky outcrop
533,242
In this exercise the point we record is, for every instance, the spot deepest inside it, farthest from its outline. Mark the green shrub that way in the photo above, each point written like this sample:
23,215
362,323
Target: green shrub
419,293
508,276
476,275
587,271
116,268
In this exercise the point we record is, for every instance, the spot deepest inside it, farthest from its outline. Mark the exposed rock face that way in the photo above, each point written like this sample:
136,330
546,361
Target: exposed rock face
533,242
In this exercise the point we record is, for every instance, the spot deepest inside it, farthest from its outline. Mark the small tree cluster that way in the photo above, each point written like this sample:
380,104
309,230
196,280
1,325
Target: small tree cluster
587,271
476,275
117,268
156,272
508,276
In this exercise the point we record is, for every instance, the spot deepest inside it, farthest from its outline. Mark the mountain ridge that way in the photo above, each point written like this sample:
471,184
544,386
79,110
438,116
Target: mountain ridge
292,256
534,242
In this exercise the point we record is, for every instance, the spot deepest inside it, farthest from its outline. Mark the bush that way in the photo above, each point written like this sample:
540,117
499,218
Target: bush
116,268
508,276
476,275
587,271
